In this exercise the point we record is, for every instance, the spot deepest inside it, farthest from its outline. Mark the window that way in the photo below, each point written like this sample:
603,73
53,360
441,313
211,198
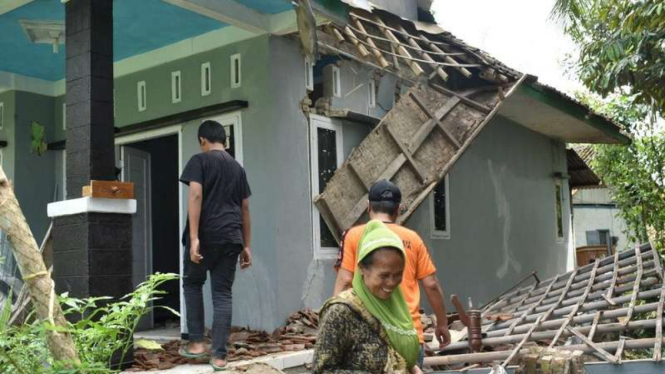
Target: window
336,82
64,115
232,125
235,71
558,200
2,116
326,156
440,210
309,74
598,237
372,94
206,79
140,89
176,93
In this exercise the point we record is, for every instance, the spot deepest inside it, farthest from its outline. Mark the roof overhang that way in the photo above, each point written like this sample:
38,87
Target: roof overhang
580,174
550,112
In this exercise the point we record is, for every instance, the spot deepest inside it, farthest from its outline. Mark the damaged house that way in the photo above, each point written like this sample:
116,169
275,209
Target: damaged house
315,116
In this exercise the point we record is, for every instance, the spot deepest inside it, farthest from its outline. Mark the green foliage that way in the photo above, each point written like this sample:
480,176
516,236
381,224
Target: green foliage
622,45
635,174
103,327
38,143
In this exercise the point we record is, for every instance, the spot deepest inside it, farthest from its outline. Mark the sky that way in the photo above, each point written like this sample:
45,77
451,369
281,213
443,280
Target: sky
519,33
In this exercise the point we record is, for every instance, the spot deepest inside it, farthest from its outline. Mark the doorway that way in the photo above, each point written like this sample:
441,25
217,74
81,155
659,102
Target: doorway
152,164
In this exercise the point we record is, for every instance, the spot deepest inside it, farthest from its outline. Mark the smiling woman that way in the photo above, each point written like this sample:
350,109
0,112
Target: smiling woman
368,328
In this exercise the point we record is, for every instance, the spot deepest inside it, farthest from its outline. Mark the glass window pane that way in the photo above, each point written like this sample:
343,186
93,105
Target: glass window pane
327,154
440,219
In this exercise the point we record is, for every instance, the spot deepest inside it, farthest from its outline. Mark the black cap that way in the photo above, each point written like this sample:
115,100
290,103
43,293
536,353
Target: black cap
384,190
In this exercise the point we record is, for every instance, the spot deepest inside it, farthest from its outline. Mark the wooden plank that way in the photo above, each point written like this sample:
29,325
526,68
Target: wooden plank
573,312
470,102
606,355
615,276
437,69
377,53
521,344
532,307
449,59
563,295
619,351
355,41
361,205
436,120
417,70
109,190
636,285
594,325
656,261
405,152
426,128
657,349
360,178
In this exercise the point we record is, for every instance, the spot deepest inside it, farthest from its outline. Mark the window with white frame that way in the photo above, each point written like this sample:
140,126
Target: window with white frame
309,74
233,127
142,96
64,116
326,156
176,87
206,79
558,204
236,71
336,82
2,116
372,94
440,210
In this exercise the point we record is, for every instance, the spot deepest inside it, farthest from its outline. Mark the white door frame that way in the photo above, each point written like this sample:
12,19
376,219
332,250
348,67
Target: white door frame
235,118
153,134
316,121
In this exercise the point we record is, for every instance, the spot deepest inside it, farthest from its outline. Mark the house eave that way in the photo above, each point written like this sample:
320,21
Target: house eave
552,113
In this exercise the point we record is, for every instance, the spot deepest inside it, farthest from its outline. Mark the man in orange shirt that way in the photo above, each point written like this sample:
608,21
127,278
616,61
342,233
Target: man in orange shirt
384,202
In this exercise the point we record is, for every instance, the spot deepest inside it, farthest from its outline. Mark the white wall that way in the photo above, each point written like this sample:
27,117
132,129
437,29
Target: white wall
593,209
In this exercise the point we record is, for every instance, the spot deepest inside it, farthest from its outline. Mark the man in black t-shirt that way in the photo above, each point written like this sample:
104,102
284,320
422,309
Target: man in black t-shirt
217,233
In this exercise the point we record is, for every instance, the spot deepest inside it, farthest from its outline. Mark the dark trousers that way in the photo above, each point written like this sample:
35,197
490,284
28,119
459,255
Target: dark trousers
221,262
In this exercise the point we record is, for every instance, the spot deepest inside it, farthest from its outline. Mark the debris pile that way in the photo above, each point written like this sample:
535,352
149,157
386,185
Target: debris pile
298,334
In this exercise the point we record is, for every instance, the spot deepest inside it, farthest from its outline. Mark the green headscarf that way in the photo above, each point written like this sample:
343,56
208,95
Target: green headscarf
393,313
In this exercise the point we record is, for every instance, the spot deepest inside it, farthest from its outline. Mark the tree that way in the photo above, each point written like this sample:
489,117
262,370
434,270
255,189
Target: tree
635,174
622,46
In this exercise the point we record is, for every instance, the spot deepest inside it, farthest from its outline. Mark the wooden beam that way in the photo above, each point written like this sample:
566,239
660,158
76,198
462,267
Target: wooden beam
657,349
400,48
470,102
636,285
426,128
439,71
606,355
405,151
450,60
375,50
355,41
594,325
436,120
227,11
532,307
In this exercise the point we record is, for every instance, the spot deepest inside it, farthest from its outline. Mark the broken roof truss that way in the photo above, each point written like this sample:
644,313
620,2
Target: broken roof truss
570,311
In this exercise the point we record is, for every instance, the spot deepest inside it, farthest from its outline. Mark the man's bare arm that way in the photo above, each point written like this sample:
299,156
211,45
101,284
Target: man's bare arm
246,255
434,295
343,281
194,212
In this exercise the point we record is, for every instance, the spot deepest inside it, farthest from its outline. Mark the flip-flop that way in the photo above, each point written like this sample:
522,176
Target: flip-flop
185,353
217,368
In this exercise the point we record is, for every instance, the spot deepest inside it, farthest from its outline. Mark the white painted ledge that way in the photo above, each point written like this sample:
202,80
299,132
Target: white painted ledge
91,205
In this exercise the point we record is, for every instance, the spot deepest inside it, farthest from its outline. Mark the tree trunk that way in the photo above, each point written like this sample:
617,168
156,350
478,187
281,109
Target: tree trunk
35,275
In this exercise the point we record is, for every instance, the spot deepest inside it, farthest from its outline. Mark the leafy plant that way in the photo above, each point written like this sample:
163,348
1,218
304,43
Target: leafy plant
38,143
101,329
622,45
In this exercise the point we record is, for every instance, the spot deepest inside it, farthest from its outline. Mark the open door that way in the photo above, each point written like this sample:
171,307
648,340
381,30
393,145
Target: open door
136,169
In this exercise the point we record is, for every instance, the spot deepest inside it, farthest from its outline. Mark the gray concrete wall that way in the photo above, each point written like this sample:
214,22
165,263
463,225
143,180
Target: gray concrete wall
502,209
8,132
34,175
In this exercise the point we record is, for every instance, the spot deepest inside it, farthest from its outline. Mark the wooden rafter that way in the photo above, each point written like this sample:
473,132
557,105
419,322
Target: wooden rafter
399,47
375,50
432,63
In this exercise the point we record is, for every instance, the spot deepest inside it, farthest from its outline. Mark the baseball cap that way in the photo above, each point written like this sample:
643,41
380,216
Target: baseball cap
385,190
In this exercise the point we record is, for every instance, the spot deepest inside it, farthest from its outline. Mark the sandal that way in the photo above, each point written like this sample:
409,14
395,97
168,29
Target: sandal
187,354
218,368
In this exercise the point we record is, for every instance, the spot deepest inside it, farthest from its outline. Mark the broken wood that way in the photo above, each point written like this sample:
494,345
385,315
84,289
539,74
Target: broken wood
606,355
636,286
109,190
375,50
400,48
35,275
433,64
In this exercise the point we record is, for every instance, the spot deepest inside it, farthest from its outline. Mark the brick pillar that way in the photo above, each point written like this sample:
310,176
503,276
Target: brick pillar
92,238
90,146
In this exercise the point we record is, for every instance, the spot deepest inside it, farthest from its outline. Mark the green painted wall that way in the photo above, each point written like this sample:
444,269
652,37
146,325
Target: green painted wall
7,133
34,175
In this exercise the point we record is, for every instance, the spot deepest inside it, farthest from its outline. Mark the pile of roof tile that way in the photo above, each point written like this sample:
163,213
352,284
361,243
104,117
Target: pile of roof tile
298,334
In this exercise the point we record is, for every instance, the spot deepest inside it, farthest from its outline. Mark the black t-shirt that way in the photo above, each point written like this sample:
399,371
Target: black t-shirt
224,188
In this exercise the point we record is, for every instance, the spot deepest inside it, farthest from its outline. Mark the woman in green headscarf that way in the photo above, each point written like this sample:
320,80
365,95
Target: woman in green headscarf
368,329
